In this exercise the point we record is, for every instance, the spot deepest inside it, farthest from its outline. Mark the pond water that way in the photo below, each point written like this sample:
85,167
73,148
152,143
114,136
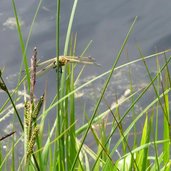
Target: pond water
104,22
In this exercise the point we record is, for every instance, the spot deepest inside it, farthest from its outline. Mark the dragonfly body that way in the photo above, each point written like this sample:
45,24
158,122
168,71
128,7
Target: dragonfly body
63,60
43,67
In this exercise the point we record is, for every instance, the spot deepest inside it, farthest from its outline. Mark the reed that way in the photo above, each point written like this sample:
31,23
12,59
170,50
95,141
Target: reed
63,146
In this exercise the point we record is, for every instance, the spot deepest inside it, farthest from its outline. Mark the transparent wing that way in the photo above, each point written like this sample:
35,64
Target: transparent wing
45,66
70,59
76,59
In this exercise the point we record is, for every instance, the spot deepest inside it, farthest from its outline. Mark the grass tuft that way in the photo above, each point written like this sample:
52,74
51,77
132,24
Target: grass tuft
64,144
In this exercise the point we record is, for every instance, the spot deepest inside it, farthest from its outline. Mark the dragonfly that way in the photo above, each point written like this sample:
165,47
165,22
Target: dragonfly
45,66
64,60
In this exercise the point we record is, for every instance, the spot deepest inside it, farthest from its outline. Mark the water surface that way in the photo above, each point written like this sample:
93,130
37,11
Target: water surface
104,22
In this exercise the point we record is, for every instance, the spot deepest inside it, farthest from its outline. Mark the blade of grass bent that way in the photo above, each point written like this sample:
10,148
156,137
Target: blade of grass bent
165,109
138,117
103,91
104,114
70,27
87,83
141,147
154,87
12,102
134,122
48,142
23,48
137,99
148,107
21,44
96,78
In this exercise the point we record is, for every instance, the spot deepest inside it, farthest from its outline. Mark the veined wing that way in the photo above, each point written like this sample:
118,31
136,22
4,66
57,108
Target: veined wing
70,59
76,59
45,66
63,60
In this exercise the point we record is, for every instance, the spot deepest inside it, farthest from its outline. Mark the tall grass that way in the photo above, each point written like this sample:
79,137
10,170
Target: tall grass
63,146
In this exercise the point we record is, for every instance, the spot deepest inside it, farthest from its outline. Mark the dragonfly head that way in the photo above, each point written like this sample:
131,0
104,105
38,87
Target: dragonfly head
62,61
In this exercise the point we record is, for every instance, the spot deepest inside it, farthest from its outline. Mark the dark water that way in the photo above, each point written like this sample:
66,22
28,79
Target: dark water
104,22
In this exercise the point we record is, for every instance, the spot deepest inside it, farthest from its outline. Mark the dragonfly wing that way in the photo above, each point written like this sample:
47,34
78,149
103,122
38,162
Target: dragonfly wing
82,60
79,58
45,69
50,63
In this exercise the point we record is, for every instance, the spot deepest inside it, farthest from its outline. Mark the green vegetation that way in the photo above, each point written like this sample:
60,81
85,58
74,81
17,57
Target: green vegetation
63,147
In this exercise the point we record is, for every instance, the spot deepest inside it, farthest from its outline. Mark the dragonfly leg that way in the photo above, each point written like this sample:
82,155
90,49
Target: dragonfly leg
60,69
